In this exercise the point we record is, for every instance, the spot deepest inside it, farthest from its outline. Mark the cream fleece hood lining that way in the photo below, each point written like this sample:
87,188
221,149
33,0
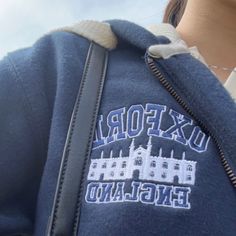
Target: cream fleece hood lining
101,33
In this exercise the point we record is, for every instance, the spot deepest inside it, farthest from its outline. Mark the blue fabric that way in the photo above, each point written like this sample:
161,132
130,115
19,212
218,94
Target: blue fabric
217,112
168,179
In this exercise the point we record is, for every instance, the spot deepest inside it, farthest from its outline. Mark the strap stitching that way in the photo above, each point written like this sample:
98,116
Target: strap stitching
98,95
64,168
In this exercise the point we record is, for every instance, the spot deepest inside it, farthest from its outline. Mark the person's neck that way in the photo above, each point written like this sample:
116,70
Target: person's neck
210,25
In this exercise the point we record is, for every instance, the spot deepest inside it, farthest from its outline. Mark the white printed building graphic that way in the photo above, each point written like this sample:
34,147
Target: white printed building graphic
154,168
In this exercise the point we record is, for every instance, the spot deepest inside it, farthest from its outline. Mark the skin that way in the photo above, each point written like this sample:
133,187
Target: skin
211,26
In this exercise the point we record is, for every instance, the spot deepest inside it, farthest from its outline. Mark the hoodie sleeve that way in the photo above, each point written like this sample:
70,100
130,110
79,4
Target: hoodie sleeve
38,86
25,110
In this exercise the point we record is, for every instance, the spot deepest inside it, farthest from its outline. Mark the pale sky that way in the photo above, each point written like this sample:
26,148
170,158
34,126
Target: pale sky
24,21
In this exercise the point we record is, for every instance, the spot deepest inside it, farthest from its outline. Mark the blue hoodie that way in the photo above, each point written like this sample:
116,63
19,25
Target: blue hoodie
163,158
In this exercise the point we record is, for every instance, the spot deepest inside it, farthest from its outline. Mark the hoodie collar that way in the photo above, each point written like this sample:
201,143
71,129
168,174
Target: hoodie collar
170,32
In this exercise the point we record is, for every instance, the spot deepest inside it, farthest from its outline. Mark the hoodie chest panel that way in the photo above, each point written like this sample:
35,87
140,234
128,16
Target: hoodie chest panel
152,170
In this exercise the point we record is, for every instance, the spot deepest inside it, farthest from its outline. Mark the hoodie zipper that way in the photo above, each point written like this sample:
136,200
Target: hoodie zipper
151,64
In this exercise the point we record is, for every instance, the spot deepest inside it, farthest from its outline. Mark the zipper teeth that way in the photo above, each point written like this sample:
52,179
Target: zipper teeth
167,85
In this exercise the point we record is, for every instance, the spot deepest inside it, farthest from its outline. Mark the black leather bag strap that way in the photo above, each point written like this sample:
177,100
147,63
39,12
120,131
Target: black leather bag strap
67,202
